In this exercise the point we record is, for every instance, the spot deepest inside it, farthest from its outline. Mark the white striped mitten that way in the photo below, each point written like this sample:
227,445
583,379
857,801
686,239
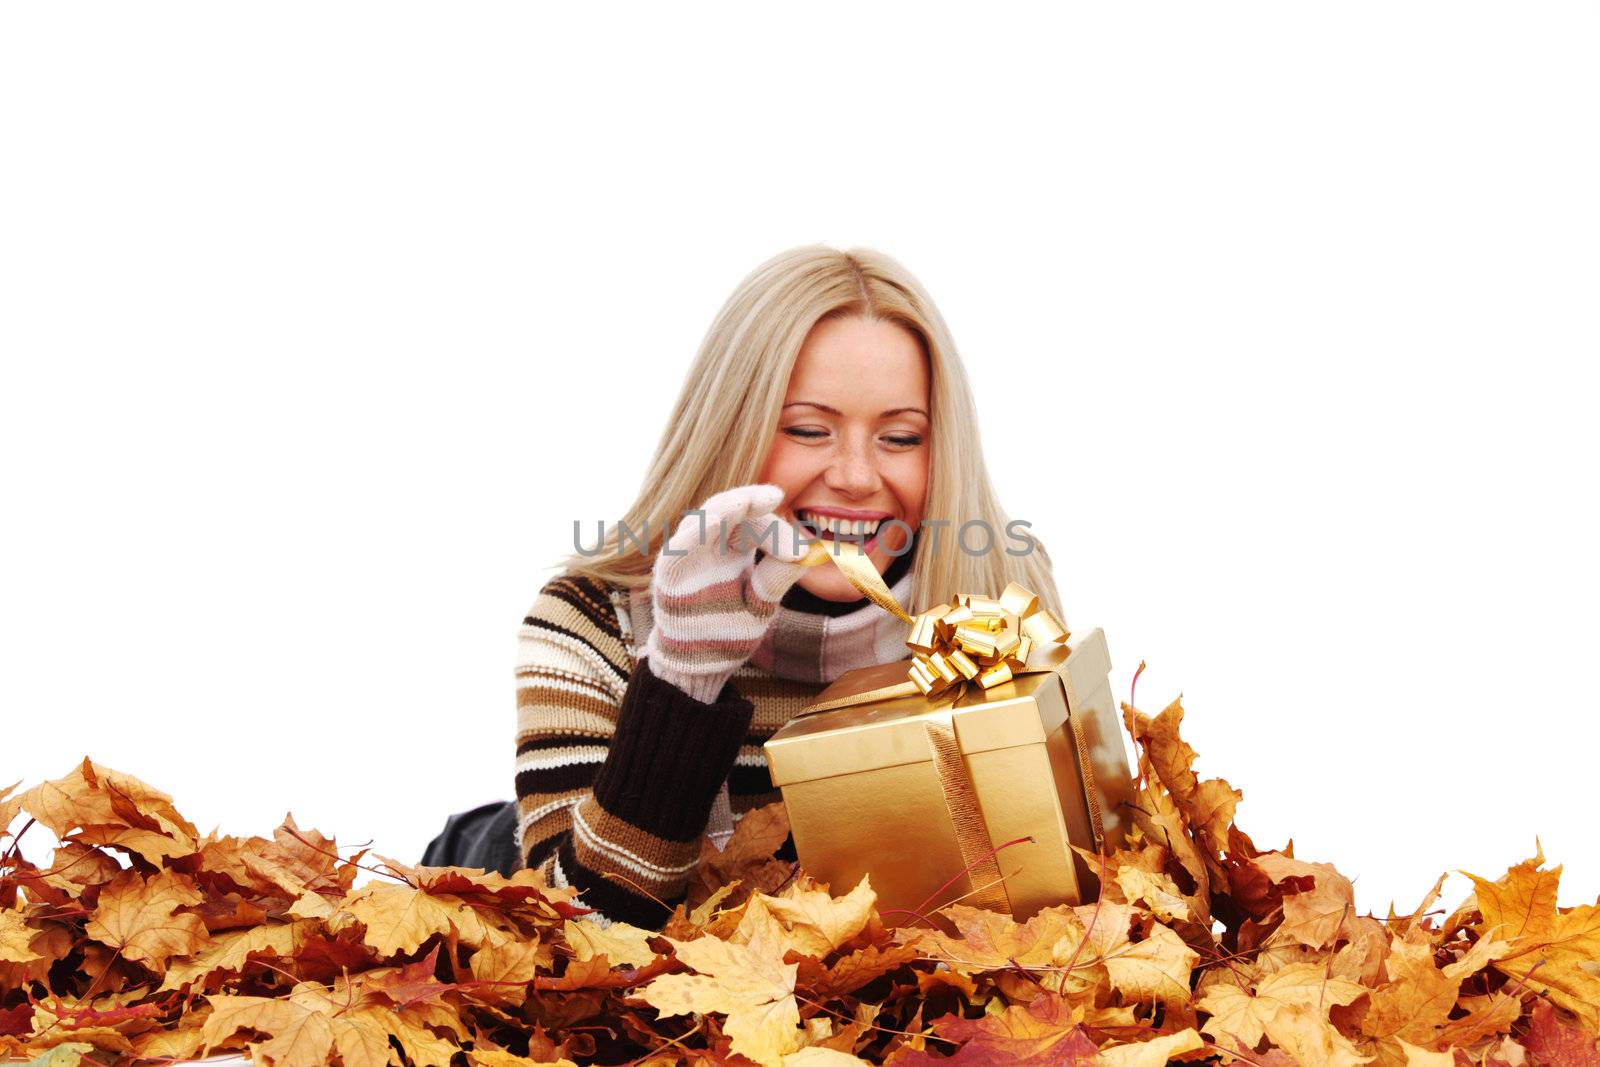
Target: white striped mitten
710,606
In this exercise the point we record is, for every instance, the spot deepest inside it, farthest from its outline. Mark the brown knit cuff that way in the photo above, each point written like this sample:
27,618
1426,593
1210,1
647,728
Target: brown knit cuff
670,755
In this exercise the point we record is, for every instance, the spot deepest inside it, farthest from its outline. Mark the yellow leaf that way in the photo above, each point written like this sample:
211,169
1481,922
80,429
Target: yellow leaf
234,948
1521,906
622,944
398,918
14,938
181,1044
1486,1016
1484,951
754,991
990,940
1238,1013
1153,1053
1418,997
1155,969
153,845
510,966
93,795
9,807
1155,891
300,1035
1552,950
423,1048
1306,1034
816,922
702,914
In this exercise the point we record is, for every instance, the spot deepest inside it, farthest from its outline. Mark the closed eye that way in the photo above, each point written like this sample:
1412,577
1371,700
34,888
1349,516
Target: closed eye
809,434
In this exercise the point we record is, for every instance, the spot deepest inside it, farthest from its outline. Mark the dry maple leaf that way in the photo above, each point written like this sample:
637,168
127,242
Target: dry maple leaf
1486,1017
1155,969
1317,899
501,972
398,918
1155,1052
298,1032
1245,1016
1553,951
139,918
93,795
1045,1031
233,950
1557,1044
856,969
1418,997
1153,889
754,990
15,935
621,943
990,941
808,920
1208,807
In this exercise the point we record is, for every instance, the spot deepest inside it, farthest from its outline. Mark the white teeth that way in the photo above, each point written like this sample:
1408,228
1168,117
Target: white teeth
840,527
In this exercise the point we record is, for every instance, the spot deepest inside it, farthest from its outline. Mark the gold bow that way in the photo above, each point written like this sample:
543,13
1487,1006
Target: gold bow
978,639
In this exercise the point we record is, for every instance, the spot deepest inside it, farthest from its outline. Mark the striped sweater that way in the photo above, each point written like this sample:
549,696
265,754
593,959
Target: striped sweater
619,774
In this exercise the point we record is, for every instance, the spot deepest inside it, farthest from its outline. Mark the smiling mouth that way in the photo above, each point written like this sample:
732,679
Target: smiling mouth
863,532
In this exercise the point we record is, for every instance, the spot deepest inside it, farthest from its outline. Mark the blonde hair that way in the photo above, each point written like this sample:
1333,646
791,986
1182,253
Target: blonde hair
726,417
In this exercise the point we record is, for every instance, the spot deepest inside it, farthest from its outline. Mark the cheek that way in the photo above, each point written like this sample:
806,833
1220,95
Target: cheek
910,483
786,465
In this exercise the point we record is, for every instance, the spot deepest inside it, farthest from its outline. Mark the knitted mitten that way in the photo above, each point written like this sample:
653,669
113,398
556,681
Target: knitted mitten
710,603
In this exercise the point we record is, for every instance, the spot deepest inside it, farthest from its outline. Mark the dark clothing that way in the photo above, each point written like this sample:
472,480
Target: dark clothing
484,838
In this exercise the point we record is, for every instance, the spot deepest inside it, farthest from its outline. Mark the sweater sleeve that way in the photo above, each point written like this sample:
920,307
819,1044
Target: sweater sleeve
617,770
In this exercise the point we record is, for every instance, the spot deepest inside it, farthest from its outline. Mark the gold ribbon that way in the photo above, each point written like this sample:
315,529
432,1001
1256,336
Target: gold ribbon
975,641
961,801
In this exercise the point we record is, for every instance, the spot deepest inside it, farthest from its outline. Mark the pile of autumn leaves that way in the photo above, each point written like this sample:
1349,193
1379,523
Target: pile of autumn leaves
142,940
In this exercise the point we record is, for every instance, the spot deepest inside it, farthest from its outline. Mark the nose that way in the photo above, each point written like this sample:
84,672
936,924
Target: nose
853,471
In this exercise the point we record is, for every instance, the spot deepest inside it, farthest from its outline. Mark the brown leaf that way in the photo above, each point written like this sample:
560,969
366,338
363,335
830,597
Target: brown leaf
139,917
94,795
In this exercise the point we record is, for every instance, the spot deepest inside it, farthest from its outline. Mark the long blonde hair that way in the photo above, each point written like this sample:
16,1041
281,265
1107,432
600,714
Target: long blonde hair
727,413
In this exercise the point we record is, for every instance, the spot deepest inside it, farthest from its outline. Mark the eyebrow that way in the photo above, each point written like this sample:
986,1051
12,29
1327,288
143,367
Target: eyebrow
835,411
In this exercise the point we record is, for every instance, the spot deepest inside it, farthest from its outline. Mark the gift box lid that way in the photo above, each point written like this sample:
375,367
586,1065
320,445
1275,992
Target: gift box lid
888,733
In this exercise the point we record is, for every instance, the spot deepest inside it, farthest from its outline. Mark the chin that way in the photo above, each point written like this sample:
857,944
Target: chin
829,583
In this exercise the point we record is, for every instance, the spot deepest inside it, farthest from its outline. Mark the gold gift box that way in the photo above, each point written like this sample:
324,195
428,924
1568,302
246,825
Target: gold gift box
870,788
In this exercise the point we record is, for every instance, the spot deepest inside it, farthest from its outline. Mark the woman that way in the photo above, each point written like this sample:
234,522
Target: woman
828,399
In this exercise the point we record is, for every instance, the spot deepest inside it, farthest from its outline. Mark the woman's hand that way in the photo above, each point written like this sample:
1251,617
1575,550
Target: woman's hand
710,603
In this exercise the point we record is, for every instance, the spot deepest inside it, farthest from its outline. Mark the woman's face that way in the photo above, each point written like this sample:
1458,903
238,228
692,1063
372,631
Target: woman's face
852,441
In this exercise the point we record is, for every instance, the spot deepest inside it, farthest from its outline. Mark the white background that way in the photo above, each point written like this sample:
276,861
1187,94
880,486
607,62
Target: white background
322,323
